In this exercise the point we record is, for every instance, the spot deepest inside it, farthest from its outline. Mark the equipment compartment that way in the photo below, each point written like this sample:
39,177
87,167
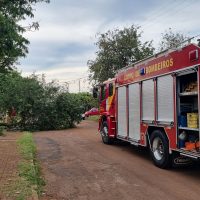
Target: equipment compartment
188,116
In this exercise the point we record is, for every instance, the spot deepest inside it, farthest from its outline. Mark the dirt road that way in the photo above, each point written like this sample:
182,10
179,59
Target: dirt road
78,166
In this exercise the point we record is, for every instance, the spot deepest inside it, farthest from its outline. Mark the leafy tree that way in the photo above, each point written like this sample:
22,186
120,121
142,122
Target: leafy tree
86,101
38,105
117,49
12,42
171,39
22,94
68,108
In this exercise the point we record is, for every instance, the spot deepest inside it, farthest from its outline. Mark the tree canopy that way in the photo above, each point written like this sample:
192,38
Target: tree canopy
171,39
13,44
119,48
116,49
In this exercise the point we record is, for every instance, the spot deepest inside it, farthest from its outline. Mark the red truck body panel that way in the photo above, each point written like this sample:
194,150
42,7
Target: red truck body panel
167,63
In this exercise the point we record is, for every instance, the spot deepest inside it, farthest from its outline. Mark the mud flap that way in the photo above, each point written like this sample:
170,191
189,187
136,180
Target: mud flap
179,160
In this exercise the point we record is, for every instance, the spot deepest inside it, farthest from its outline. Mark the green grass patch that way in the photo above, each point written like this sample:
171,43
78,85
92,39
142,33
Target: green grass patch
19,189
29,168
94,118
29,171
2,130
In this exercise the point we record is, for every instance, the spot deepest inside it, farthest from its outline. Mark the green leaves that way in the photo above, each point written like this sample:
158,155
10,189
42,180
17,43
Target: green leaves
13,44
40,105
19,9
117,49
171,39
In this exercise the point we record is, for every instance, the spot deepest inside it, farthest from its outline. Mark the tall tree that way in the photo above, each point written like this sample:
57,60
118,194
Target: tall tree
171,39
12,42
117,49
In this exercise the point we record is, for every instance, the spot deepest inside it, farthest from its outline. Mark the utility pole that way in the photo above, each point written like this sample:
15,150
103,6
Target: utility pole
79,85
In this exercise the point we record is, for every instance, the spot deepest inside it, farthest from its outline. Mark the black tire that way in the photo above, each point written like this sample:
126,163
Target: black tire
160,150
104,133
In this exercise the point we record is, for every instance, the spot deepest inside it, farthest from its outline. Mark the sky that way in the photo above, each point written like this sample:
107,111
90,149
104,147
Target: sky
68,28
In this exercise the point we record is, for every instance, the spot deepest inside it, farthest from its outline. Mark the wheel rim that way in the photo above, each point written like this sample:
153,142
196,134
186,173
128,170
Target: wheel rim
104,131
158,148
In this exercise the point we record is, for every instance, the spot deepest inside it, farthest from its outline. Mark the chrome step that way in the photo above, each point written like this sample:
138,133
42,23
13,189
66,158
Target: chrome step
192,154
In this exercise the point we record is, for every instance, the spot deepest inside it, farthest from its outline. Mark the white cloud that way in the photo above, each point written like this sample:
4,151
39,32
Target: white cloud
76,78
68,33
65,41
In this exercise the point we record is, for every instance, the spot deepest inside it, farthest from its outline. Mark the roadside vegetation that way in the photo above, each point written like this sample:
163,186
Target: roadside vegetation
29,168
2,130
32,104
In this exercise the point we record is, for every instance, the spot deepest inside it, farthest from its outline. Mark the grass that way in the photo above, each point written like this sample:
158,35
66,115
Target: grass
94,118
2,130
20,189
29,168
29,171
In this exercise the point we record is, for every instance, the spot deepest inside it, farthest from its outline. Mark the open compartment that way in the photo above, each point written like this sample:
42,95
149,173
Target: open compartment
188,113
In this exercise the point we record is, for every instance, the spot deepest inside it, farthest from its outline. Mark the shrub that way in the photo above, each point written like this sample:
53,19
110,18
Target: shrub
38,105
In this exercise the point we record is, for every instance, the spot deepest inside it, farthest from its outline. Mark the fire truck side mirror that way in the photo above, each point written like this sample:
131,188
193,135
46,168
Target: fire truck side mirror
95,92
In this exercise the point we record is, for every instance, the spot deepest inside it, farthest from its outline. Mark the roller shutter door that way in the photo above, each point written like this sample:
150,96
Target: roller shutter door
165,99
134,111
122,112
148,100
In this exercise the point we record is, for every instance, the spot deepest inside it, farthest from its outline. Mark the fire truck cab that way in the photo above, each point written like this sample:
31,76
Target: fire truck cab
155,103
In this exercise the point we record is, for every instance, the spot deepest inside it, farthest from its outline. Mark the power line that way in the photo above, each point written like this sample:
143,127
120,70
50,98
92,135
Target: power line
154,19
162,9
82,83
165,12
73,80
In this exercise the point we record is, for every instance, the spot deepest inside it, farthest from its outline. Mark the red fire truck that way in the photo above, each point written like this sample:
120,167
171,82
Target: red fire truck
155,103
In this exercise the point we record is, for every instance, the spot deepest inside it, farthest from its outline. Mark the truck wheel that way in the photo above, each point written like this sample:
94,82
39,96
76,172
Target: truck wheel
104,134
160,149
